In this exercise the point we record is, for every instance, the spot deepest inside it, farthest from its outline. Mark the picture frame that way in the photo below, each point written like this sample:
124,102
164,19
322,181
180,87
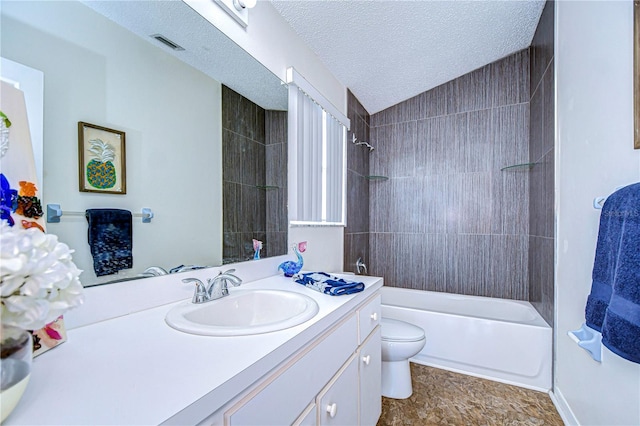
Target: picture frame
636,74
101,159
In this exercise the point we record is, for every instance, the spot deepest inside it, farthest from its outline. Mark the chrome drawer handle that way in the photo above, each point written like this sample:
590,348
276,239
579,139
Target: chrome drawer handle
374,316
366,359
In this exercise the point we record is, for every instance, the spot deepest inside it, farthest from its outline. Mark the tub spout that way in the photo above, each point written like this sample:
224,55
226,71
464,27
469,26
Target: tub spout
360,266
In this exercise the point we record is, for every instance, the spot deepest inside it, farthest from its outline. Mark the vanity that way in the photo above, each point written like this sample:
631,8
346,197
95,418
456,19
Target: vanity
126,365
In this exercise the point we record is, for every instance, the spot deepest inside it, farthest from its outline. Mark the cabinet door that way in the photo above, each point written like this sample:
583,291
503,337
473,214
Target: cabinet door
286,394
370,360
338,402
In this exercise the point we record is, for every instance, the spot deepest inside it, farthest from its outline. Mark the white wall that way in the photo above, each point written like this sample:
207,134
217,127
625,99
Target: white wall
325,246
97,72
594,154
270,40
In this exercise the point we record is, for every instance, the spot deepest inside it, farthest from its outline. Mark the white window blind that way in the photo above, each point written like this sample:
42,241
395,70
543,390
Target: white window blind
317,158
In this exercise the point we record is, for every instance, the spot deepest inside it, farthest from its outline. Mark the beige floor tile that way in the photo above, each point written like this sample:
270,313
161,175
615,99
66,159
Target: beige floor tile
441,397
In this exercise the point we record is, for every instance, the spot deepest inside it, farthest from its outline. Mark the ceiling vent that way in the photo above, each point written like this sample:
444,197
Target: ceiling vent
162,39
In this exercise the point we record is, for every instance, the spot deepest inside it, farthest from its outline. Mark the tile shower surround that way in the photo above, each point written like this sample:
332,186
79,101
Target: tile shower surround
448,219
254,154
541,176
356,234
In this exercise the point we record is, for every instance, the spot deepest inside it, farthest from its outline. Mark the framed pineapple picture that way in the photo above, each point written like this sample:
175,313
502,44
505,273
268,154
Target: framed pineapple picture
101,159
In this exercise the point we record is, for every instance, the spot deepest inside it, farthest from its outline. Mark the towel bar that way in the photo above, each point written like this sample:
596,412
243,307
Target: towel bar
54,212
598,202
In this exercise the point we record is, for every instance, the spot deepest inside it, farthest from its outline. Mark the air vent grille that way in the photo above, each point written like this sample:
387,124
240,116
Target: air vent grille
162,39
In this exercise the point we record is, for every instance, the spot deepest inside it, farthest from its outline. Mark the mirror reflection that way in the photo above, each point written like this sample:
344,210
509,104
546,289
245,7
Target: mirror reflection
254,179
205,129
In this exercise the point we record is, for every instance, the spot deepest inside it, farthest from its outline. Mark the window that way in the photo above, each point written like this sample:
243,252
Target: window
317,156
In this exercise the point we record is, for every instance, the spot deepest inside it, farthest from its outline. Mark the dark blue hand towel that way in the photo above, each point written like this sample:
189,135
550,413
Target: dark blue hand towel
621,326
110,240
611,222
327,284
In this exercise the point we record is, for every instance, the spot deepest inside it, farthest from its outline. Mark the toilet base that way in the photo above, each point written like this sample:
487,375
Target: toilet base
396,379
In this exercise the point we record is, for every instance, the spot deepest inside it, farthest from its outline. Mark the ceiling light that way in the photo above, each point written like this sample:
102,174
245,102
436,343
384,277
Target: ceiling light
244,4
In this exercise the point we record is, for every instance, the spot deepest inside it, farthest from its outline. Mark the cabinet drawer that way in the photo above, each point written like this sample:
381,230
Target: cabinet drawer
284,396
338,402
308,417
368,318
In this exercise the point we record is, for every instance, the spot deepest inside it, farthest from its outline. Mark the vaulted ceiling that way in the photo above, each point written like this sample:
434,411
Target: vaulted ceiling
386,51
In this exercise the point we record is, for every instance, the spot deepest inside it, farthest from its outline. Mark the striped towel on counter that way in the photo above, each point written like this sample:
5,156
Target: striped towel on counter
328,284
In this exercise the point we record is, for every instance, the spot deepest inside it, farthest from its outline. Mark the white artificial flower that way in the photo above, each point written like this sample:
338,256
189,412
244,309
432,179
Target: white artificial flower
38,279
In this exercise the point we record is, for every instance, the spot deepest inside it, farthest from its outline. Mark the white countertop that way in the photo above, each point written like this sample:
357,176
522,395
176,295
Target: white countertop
135,369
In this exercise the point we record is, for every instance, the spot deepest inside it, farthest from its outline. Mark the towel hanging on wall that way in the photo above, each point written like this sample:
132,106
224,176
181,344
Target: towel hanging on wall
110,240
621,325
609,233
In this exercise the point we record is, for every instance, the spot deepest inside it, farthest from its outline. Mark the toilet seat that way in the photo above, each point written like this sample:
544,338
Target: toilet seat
400,331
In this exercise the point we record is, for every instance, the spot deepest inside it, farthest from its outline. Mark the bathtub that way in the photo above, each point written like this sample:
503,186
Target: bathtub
496,339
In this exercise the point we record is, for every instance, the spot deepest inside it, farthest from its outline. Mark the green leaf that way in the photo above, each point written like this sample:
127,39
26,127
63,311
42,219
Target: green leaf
6,120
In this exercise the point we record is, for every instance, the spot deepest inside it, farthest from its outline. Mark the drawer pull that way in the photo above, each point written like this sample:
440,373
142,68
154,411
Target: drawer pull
366,359
374,316
332,409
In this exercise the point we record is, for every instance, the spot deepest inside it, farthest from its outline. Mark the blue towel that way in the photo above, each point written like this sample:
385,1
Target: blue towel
327,284
609,232
110,240
621,325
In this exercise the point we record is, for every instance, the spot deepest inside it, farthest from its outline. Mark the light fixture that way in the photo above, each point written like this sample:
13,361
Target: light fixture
237,9
244,4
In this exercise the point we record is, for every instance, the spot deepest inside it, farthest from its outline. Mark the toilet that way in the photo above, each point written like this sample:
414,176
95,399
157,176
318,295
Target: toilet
400,341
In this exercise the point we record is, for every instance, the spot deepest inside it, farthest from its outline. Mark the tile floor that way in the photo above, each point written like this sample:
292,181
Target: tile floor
441,397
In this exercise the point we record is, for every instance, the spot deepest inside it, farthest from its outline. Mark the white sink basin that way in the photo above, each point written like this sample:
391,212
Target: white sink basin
243,313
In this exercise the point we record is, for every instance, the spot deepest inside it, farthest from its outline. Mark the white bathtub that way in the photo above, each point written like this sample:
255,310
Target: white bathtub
497,339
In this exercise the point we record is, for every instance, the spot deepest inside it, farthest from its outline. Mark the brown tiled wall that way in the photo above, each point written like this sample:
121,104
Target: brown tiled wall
356,234
250,135
541,176
448,219
276,176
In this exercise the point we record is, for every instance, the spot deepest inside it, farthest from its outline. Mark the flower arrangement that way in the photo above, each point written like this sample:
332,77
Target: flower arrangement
38,279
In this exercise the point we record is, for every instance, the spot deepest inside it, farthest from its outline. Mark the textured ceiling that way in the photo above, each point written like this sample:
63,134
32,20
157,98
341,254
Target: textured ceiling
388,51
206,48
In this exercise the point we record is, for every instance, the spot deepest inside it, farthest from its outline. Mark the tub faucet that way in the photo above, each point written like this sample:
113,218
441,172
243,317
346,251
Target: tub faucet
216,288
154,271
360,265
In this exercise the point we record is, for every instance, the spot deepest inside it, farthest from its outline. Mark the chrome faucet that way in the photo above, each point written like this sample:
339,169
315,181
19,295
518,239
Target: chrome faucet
154,271
360,265
216,288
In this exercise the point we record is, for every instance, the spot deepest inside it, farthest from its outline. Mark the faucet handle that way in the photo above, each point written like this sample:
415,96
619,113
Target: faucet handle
200,295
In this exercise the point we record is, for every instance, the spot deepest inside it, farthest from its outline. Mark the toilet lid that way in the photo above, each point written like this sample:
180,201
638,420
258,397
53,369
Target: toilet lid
400,331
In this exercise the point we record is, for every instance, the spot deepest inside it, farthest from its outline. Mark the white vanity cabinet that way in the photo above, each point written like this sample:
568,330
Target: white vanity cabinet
370,364
370,361
308,417
338,402
334,380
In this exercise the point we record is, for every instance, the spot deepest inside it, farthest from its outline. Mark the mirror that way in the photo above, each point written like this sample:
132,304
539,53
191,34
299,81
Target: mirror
193,119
